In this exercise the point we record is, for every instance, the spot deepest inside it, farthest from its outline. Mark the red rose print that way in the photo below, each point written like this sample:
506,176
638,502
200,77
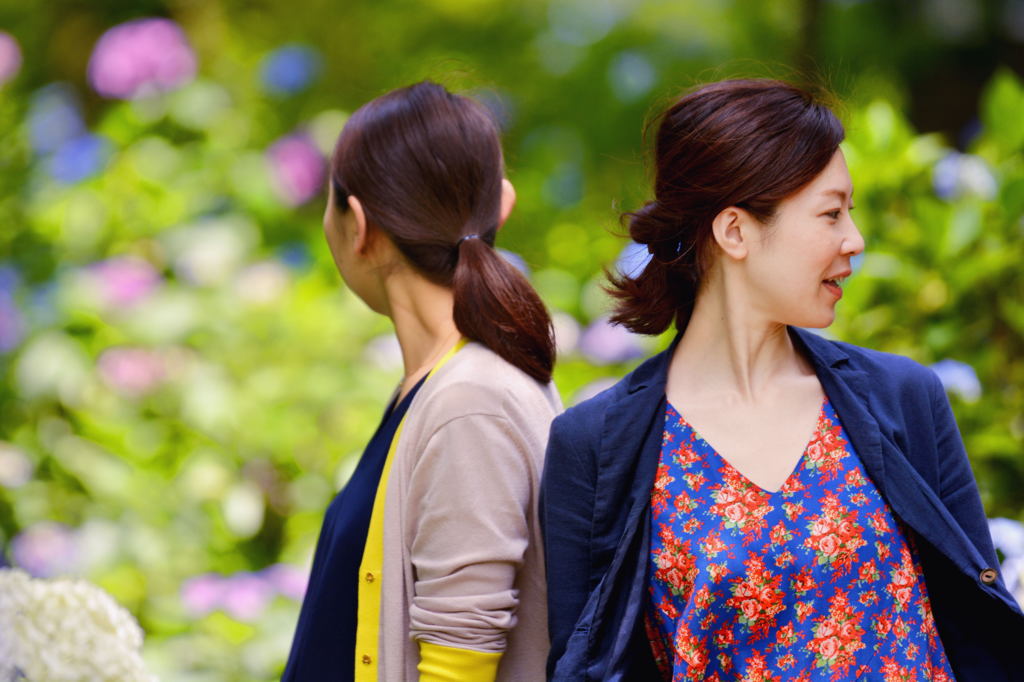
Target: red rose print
757,597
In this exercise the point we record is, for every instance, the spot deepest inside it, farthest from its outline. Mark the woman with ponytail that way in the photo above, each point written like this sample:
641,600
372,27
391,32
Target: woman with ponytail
429,564
757,502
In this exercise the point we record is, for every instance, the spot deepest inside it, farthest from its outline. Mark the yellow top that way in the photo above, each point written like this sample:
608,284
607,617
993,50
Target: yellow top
437,663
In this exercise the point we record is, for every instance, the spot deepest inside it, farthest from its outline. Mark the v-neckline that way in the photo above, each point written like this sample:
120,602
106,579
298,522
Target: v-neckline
796,468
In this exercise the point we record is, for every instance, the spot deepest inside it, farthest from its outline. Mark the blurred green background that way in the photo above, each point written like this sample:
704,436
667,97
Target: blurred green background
185,381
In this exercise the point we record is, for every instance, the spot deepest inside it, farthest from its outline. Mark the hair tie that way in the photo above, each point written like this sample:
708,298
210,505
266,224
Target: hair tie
465,237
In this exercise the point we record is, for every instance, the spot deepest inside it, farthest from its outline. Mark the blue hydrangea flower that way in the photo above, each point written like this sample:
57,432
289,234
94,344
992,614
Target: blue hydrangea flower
959,378
9,279
53,118
290,69
12,325
295,255
80,158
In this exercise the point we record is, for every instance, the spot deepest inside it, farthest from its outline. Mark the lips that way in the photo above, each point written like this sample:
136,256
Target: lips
835,283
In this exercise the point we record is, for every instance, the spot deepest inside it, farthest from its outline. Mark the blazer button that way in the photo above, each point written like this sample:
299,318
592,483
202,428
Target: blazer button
989,576
367,660
369,577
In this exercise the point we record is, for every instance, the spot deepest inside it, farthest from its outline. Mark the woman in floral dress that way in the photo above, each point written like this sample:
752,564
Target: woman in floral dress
757,502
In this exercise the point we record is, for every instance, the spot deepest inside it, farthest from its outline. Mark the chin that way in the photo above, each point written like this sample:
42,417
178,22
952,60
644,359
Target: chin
819,321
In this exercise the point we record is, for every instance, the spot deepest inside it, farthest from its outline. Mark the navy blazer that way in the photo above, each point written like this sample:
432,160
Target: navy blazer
595,512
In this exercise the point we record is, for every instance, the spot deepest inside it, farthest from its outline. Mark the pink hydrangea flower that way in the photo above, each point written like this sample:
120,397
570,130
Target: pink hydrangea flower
45,549
297,168
140,57
202,594
246,595
287,580
125,280
10,57
132,372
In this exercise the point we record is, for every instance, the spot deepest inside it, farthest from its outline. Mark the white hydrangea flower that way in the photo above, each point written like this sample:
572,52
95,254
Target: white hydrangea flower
65,630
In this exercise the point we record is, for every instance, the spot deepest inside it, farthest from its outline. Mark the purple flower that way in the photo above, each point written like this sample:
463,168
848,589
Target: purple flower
1007,536
592,389
125,280
80,158
45,549
515,260
958,377
290,69
133,372
957,175
10,57
287,580
202,594
9,279
140,57
297,167
604,343
12,324
53,118
246,595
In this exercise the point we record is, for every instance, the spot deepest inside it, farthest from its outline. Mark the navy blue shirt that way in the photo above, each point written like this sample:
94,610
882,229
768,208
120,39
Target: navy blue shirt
325,638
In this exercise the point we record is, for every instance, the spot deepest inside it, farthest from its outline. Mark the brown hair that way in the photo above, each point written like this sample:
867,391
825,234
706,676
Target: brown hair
427,167
744,143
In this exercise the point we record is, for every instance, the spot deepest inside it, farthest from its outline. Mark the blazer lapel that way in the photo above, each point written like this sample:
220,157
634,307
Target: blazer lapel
909,496
631,444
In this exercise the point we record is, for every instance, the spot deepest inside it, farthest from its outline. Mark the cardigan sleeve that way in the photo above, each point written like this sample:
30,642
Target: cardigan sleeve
567,510
958,488
469,500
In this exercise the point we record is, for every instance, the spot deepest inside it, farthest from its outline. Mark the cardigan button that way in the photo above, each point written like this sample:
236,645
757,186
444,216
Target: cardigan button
369,577
988,576
367,660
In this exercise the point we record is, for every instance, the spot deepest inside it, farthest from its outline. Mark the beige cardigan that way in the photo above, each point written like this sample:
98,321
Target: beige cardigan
463,564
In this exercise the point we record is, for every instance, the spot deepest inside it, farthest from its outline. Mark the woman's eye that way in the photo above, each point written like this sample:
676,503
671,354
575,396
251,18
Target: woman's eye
834,215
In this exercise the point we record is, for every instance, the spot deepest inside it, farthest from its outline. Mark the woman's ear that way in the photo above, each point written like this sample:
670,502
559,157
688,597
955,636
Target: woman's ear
508,200
361,243
732,231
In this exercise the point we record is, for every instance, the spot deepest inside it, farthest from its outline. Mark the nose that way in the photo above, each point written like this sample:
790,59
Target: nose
853,241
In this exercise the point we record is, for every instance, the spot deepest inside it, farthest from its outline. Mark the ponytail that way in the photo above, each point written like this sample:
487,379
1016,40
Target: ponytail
427,167
495,305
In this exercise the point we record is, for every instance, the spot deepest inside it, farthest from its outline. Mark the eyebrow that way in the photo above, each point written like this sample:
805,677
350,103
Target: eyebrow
839,193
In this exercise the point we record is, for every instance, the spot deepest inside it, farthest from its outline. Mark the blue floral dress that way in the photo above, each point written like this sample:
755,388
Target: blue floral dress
817,581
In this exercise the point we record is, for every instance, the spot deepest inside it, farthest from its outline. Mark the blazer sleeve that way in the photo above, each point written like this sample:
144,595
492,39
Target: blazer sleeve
566,515
958,488
468,505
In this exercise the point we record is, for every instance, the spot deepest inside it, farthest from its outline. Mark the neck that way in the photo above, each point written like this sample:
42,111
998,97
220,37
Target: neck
731,350
422,314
